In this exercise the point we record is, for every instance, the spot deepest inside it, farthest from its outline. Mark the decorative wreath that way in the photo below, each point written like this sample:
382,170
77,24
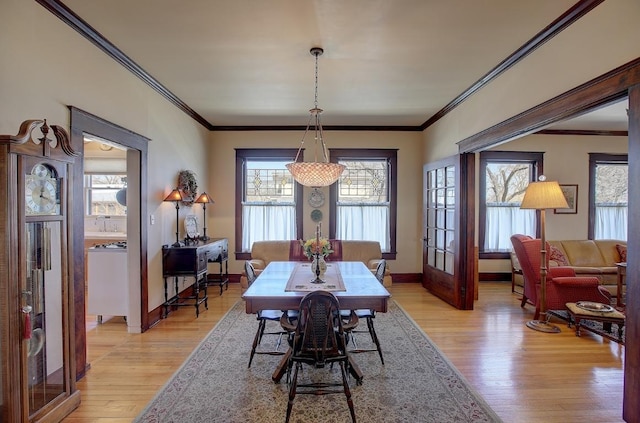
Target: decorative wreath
188,184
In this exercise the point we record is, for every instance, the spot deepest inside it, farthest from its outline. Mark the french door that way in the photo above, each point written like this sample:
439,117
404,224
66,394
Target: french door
449,265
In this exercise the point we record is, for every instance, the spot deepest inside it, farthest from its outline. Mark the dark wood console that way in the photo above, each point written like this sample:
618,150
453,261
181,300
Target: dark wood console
191,261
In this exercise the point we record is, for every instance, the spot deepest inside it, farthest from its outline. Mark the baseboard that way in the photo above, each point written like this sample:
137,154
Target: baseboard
406,277
495,277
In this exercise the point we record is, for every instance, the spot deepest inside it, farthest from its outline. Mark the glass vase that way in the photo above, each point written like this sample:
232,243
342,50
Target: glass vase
320,261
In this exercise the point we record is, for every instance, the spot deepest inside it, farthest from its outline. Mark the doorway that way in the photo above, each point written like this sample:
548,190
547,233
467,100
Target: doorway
136,146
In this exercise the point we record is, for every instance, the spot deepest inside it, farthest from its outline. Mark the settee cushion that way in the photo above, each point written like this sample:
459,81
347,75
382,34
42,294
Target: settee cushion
583,253
556,254
622,250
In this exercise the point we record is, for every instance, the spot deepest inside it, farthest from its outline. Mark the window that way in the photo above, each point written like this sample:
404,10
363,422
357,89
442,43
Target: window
504,176
101,194
608,196
363,200
266,198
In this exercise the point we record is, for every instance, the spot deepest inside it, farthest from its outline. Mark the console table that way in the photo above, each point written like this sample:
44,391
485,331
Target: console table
190,261
220,255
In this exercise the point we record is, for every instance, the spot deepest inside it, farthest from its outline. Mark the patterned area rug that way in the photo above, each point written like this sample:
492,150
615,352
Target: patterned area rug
592,326
416,384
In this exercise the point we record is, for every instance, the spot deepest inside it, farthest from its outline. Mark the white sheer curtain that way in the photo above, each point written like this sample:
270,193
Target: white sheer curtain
504,221
611,222
364,222
267,222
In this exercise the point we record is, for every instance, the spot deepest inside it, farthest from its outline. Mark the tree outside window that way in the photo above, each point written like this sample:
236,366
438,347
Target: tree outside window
101,194
608,200
504,177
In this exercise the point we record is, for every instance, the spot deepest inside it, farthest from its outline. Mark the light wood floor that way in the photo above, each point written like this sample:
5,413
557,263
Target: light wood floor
526,376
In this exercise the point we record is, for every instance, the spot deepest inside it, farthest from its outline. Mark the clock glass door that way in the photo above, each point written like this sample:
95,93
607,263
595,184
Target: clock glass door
42,306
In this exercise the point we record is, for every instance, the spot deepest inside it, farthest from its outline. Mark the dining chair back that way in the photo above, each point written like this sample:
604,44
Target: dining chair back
319,339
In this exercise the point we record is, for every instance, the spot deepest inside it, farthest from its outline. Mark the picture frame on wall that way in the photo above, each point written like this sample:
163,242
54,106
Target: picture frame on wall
570,192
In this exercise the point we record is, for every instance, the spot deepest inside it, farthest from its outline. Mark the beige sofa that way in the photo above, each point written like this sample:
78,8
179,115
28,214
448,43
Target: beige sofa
587,258
264,252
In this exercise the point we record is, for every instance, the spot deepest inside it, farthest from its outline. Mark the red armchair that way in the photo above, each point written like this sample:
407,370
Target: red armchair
563,286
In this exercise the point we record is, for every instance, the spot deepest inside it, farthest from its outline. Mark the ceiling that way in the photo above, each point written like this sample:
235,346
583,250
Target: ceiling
385,63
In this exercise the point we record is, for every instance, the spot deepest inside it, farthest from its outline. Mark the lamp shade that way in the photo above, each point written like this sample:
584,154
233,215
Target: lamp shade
175,195
315,174
544,195
204,199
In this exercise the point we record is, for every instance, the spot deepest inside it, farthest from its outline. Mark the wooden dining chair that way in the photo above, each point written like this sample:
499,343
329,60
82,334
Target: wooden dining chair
318,340
368,315
263,317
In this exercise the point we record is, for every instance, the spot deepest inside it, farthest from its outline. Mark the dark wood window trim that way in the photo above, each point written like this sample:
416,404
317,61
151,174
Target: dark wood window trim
536,158
244,154
391,155
595,159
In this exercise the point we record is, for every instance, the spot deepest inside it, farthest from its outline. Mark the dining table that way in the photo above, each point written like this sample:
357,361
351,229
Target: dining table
269,292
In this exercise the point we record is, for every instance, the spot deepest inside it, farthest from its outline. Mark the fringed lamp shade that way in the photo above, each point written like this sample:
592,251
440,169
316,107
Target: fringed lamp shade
315,174
544,195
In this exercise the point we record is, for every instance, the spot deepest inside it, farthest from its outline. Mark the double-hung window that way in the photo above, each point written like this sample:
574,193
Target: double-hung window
504,177
266,198
364,199
608,196
102,192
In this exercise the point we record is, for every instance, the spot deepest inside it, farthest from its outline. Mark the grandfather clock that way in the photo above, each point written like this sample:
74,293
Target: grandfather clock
36,267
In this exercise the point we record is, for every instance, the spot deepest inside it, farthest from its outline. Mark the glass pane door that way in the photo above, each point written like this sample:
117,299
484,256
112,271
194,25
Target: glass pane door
43,309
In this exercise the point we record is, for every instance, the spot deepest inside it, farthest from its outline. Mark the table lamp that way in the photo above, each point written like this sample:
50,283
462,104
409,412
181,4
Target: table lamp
543,195
204,199
176,196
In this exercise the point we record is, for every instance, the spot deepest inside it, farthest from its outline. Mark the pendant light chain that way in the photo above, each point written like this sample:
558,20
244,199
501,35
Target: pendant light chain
315,174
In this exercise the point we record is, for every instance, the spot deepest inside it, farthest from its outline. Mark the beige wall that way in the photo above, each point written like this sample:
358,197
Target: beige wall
566,160
604,39
607,37
46,66
222,184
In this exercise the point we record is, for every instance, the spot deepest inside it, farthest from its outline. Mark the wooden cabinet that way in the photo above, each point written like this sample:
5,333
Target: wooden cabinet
191,261
36,266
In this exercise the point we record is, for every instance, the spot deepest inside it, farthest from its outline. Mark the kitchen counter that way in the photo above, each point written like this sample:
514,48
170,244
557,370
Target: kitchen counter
106,236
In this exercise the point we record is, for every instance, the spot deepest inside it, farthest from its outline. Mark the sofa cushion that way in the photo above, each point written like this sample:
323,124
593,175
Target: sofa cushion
622,250
609,251
555,254
583,253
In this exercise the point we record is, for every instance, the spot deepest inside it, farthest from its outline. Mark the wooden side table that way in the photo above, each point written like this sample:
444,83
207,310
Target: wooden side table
607,318
622,276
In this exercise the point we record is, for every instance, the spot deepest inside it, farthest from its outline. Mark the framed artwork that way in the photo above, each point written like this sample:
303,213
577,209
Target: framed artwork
571,194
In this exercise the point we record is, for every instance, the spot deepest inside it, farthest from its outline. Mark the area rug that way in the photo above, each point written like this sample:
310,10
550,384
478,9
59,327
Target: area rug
592,326
416,384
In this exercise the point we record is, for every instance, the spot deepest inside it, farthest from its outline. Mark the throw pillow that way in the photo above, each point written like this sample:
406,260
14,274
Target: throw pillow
622,250
558,256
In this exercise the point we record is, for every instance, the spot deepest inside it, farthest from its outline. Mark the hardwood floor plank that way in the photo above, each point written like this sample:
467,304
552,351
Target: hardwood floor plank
526,376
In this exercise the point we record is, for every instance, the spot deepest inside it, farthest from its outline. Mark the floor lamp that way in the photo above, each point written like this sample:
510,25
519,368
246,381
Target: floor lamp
204,199
543,195
176,196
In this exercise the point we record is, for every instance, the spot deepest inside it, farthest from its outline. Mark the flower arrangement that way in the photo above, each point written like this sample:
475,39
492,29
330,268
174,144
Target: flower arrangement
310,247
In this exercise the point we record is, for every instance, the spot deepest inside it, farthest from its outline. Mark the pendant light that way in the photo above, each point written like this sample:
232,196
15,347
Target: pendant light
315,174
